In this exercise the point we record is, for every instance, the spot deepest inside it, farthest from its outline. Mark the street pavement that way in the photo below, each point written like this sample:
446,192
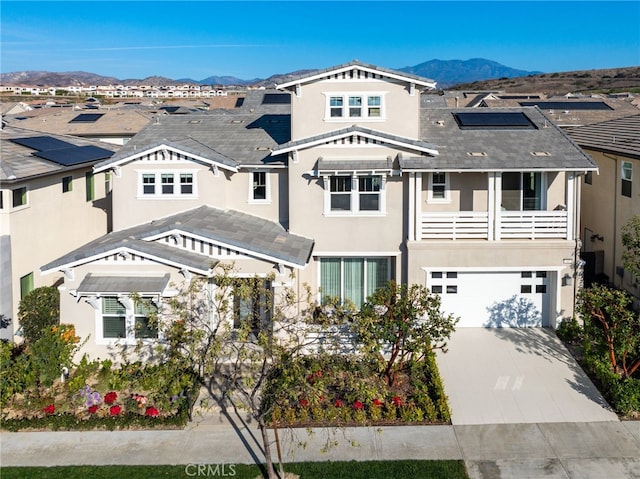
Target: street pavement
569,432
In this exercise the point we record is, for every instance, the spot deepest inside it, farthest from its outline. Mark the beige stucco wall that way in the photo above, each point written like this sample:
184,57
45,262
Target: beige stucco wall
227,190
52,224
605,211
401,110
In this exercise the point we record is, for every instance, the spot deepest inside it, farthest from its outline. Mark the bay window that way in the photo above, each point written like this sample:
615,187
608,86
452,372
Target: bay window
352,279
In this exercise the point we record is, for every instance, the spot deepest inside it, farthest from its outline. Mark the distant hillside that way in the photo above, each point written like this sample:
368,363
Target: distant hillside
606,81
451,72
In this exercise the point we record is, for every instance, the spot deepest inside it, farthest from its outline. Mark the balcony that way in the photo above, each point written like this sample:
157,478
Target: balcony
507,225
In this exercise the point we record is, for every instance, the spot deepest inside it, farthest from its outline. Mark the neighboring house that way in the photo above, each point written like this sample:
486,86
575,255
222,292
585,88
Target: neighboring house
51,201
609,198
343,181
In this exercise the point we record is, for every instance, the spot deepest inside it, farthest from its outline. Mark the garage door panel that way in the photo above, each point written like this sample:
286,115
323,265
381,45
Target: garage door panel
494,299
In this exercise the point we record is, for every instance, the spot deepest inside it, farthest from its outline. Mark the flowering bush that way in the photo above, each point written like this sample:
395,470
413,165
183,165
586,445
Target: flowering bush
338,403
50,409
110,397
377,402
115,410
139,399
357,405
304,402
91,398
151,411
397,401
93,409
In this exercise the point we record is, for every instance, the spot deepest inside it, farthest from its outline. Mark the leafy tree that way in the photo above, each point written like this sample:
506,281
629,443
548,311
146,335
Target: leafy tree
405,322
39,310
631,242
233,336
611,327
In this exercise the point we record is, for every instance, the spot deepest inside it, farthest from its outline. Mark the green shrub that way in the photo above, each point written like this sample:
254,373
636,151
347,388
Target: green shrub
569,331
12,370
49,353
39,310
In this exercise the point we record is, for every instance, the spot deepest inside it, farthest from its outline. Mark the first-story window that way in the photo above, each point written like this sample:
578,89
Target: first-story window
252,300
119,322
352,279
114,318
145,319
26,285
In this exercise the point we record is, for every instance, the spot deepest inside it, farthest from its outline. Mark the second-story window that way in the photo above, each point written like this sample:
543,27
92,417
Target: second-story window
369,192
340,187
345,106
167,183
149,184
19,196
186,183
438,187
67,184
259,185
627,176
523,191
163,184
354,194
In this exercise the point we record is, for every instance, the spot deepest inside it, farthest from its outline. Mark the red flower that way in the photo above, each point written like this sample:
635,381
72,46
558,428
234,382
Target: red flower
397,401
110,397
93,409
377,402
115,410
338,403
50,409
319,374
304,402
151,411
357,405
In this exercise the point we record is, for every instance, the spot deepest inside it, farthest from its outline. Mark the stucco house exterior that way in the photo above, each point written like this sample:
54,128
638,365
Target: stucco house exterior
609,198
51,201
341,179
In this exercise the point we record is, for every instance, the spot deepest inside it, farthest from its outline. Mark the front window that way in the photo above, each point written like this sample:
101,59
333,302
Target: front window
259,186
627,176
120,322
26,285
342,106
145,320
67,184
335,106
89,183
354,194
19,196
167,183
355,106
374,103
164,184
149,184
114,318
352,279
340,193
251,303
522,191
186,183
369,192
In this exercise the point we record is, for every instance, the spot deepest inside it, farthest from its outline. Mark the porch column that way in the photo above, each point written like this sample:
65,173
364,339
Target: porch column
571,203
497,207
418,209
491,204
411,234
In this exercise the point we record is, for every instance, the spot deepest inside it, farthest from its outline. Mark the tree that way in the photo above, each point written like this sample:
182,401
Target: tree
631,242
232,333
39,310
611,327
405,322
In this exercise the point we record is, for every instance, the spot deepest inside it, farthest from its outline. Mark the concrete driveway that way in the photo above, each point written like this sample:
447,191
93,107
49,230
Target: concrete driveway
517,375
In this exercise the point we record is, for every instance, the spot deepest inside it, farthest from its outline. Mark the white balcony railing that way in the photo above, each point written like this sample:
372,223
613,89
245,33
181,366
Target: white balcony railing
511,225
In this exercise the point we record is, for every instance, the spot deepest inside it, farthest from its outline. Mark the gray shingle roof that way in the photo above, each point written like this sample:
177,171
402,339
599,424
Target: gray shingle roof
501,148
354,165
123,284
259,237
620,136
232,139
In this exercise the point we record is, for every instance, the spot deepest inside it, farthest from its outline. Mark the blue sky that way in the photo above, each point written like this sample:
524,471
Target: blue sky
128,39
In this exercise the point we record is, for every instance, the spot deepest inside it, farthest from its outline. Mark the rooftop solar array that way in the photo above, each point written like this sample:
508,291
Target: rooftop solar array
75,155
62,152
86,118
568,105
276,99
493,120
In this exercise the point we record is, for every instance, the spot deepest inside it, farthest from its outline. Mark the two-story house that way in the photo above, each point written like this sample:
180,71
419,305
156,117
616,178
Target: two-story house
344,179
51,201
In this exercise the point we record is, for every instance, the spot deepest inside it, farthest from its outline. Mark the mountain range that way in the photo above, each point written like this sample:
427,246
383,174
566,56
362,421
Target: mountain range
446,73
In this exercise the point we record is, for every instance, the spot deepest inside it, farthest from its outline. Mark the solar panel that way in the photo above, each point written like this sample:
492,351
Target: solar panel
276,99
75,155
42,143
568,105
493,120
86,118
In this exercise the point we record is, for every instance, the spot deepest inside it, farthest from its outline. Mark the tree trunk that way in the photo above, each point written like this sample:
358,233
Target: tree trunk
271,472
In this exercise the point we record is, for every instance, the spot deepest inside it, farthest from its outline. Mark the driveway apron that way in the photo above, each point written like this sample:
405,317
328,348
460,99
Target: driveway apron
517,375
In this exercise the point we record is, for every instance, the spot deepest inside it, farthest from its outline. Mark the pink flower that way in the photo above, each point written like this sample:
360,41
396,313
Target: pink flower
50,409
93,409
151,411
115,410
338,403
304,402
357,405
377,402
397,401
319,374
110,397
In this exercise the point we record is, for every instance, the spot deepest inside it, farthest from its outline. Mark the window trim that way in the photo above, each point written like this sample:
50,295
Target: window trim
355,195
447,188
159,186
252,185
345,106
131,317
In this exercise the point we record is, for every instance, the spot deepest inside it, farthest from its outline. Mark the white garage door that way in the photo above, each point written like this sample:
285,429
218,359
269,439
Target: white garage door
494,299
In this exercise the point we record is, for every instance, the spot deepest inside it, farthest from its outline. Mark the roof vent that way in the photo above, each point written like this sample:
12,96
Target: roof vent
262,148
440,122
237,121
476,153
540,153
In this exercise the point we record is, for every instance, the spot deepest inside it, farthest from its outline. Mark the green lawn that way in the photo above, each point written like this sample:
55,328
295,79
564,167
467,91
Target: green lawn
306,470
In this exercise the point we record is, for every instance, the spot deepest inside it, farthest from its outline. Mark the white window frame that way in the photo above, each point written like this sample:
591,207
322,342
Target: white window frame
130,316
267,179
354,195
447,189
159,186
346,107
626,174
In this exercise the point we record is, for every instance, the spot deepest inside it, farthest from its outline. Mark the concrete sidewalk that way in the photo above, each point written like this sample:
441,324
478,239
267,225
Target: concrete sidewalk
598,450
